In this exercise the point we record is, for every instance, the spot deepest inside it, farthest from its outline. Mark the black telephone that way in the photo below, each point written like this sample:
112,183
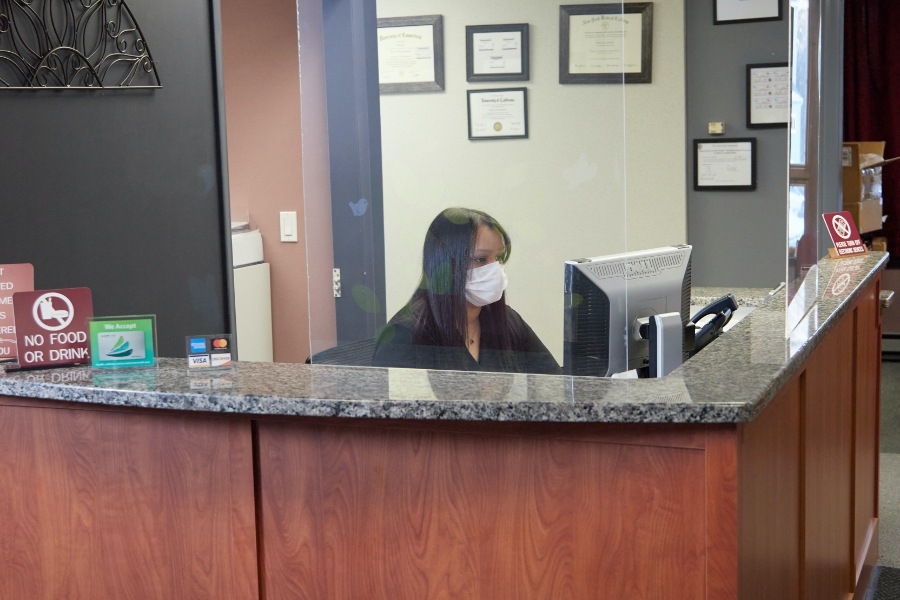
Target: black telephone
721,311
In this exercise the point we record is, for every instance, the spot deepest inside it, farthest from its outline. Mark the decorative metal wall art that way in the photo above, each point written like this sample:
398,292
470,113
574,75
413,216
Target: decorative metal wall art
73,44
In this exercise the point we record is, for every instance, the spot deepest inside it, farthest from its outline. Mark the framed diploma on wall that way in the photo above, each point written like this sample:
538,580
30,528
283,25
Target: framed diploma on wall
497,52
498,114
725,164
745,11
768,95
411,54
606,43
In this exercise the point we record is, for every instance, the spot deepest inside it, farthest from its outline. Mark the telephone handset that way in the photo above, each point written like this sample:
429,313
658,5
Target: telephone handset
721,311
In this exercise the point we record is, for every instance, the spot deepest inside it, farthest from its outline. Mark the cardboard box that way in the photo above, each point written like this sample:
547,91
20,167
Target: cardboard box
862,163
861,172
866,214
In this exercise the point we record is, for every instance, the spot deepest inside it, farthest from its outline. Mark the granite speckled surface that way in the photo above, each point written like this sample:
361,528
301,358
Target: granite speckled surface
749,297
730,381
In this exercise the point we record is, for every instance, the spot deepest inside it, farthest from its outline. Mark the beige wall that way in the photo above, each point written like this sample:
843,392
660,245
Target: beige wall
561,193
602,171
262,102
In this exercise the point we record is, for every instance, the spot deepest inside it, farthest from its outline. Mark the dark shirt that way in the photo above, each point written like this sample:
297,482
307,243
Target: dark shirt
395,348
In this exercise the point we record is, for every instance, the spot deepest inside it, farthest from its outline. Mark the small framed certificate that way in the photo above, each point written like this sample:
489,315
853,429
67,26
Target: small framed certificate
768,95
744,11
411,54
497,52
606,43
498,114
725,164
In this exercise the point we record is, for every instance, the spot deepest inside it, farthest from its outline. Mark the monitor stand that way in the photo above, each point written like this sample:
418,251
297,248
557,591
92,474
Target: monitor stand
666,336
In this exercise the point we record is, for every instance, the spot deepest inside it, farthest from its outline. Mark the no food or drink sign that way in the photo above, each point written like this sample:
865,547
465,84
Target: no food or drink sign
51,326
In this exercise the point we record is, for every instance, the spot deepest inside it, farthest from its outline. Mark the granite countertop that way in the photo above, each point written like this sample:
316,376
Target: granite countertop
730,381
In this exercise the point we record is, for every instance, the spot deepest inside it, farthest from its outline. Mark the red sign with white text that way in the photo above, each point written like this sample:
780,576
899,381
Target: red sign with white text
13,278
844,234
52,326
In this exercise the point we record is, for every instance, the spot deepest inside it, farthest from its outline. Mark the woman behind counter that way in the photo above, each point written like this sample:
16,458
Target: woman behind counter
458,318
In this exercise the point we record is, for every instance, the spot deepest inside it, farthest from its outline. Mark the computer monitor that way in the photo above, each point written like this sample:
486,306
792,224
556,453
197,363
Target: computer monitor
609,298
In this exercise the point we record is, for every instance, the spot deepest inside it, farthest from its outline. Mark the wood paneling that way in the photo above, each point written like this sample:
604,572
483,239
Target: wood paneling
866,421
382,513
828,459
769,475
100,504
721,508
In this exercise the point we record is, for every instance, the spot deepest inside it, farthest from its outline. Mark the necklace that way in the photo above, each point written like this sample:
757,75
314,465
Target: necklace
472,333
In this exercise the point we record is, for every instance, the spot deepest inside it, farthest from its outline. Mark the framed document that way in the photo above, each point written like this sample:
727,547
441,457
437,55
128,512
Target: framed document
498,114
606,43
768,95
743,11
411,54
497,52
725,164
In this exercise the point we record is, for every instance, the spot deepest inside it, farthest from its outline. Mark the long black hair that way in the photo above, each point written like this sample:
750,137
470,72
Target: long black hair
438,306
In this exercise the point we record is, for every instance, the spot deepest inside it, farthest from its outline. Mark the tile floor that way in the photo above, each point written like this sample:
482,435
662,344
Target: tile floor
889,479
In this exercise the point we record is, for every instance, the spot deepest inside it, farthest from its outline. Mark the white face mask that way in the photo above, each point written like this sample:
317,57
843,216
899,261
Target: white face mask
485,285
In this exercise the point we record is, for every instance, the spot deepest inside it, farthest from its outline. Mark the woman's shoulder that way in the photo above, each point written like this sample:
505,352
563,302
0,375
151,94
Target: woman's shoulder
399,329
515,321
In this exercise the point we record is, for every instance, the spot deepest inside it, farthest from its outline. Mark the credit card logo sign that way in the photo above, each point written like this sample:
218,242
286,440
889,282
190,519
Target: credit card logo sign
220,343
118,346
198,345
220,360
198,361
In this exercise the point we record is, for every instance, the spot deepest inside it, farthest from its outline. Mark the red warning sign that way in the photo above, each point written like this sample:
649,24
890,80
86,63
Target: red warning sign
844,234
52,326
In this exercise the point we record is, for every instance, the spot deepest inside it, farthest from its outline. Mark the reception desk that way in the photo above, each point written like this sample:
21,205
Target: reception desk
750,472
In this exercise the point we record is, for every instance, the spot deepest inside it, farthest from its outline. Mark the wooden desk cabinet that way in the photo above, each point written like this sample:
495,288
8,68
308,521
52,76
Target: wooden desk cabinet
105,502
783,507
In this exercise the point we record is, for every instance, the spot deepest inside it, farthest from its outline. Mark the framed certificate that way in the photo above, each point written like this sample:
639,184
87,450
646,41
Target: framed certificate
743,11
498,114
411,54
768,95
606,43
725,164
497,52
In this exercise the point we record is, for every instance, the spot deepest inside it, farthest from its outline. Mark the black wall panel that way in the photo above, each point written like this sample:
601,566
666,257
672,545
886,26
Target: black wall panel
354,126
122,191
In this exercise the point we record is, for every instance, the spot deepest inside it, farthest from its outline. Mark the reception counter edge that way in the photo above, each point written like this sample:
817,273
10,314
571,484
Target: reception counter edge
730,381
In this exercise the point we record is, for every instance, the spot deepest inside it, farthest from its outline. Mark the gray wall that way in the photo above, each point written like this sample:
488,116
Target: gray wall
122,191
739,238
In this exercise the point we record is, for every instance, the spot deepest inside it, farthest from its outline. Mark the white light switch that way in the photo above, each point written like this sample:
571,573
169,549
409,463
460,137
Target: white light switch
289,226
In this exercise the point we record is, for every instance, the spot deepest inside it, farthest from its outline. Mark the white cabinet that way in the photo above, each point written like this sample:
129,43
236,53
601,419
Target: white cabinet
253,312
